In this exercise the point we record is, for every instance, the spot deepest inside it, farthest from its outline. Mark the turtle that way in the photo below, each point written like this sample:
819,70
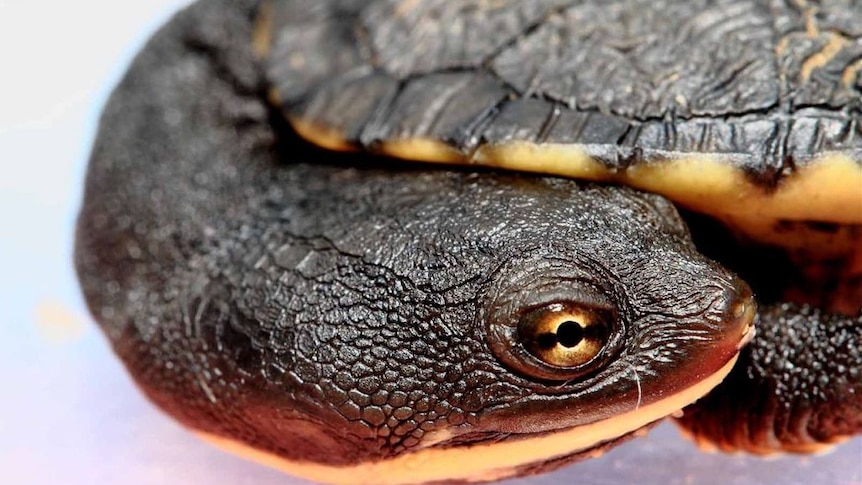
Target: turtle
630,189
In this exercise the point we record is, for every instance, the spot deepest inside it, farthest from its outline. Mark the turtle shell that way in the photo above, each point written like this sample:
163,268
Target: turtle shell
746,110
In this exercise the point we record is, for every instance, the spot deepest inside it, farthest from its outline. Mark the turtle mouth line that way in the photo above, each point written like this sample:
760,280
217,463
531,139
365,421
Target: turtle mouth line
481,461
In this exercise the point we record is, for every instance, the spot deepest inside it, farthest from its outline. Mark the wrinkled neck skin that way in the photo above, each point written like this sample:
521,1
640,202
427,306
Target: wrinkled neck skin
362,320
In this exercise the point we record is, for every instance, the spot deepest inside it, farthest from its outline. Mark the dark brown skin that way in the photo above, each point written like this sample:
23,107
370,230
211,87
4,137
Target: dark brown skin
260,289
796,387
765,88
263,290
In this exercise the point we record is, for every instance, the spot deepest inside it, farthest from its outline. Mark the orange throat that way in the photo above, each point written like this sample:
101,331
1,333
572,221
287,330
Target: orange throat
479,462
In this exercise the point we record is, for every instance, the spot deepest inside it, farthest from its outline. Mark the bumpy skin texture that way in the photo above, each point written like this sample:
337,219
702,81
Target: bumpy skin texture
796,386
258,291
763,86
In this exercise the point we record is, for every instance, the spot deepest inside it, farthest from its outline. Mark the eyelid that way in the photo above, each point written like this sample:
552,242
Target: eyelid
567,291
507,310
536,280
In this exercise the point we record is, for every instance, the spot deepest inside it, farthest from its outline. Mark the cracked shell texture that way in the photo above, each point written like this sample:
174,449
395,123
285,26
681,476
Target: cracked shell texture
766,86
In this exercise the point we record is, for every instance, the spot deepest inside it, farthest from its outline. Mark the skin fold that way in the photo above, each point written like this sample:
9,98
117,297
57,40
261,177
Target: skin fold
798,387
801,378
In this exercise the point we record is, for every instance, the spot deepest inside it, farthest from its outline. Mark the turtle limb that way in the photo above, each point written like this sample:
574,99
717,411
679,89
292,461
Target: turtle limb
796,388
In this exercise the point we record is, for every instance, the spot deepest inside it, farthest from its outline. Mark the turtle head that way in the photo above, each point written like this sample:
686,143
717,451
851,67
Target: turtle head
613,332
603,318
481,327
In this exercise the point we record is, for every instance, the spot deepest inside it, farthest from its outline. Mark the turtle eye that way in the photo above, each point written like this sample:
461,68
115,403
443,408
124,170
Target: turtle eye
557,322
564,336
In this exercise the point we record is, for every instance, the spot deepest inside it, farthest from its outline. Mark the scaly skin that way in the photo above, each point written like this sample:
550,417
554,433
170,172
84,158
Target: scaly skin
796,388
267,292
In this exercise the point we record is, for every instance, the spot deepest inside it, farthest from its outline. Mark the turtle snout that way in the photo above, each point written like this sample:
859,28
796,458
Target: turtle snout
739,313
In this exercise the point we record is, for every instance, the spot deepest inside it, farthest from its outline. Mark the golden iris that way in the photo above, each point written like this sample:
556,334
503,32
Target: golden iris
563,336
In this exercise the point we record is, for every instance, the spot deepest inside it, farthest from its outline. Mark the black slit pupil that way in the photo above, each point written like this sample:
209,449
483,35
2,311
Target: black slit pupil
546,340
569,334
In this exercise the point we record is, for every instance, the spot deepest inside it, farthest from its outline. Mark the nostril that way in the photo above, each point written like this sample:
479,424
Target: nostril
739,308
741,311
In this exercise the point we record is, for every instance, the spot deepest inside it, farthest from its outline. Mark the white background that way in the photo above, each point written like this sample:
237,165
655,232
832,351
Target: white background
68,413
